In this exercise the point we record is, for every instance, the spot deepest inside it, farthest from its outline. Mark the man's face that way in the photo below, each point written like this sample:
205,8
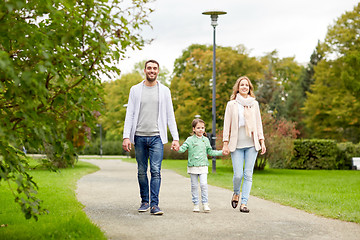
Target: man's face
151,71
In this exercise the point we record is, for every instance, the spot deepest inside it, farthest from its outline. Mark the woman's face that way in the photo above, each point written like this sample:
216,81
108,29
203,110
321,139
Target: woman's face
244,88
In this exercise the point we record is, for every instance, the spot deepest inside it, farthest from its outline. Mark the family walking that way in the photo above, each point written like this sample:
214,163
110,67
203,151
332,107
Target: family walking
150,113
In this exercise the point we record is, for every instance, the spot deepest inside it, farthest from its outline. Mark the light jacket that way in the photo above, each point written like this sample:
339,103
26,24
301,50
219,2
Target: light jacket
231,124
198,149
166,113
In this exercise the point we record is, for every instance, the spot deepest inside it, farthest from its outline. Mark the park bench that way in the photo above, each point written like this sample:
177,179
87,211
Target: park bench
356,163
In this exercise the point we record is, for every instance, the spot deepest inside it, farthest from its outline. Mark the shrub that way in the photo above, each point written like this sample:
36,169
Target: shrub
347,151
279,136
314,154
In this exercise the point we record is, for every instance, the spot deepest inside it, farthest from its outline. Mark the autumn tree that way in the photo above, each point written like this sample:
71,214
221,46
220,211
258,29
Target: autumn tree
191,86
52,57
332,109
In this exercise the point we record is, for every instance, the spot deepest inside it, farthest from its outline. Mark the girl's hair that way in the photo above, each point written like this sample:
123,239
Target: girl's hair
237,85
195,122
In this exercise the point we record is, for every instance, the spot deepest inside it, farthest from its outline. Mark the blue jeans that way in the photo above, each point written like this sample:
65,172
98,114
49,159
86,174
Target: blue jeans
238,157
195,188
145,148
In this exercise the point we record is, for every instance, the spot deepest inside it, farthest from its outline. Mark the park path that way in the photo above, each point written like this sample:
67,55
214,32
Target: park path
111,198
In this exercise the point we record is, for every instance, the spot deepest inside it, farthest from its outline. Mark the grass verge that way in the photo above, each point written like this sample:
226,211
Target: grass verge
329,193
66,219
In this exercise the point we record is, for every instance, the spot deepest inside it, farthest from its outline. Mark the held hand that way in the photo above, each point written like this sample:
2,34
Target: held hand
126,144
225,149
175,145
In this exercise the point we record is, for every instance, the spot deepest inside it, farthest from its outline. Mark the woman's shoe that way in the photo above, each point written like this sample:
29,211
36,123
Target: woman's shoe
235,200
244,209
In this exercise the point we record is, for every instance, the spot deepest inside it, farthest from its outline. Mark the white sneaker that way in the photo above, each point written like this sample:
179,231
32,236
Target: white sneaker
206,207
196,208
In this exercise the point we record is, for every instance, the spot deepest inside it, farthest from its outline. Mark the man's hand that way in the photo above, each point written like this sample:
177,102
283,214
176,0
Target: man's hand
175,145
126,144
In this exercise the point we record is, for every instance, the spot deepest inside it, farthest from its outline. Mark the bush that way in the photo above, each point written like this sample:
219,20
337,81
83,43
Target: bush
108,148
279,136
314,154
347,151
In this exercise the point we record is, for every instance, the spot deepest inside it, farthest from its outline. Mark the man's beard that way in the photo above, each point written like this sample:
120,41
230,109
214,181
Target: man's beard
150,79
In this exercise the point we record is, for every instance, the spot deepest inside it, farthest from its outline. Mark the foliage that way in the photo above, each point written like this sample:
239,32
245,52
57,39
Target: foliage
278,80
116,98
52,57
314,154
347,150
279,136
332,109
191,85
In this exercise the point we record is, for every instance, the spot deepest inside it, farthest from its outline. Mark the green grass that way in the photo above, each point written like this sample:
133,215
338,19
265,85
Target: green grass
66,218
329,193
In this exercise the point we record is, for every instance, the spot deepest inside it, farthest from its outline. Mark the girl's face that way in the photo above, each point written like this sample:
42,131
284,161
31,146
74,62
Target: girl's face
244,88
199,129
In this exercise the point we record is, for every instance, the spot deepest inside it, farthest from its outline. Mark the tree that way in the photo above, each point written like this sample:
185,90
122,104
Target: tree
116,98
332,108
279,78
191,86
53,54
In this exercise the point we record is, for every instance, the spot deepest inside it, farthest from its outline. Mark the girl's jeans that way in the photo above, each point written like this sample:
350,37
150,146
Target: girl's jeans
195,188
238,157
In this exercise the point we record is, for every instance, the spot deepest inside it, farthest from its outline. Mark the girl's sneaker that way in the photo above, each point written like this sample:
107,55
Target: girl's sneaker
206,207
196,208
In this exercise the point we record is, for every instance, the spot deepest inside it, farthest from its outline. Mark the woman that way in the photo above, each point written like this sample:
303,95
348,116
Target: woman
243,137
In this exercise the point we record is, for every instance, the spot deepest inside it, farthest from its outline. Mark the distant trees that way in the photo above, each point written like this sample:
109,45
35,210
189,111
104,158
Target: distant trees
332,109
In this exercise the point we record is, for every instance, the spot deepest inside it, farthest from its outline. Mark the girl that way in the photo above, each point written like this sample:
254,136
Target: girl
198,146
243,137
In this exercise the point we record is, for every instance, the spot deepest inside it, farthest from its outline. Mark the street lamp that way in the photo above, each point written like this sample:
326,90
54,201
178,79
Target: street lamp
214,16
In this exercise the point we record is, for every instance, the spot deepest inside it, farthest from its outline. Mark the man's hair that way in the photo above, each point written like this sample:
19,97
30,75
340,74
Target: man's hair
152,61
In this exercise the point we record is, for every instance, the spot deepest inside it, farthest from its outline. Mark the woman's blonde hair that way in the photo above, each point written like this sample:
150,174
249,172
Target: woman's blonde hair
236,88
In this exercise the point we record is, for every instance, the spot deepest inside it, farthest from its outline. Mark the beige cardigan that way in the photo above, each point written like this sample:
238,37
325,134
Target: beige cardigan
231,124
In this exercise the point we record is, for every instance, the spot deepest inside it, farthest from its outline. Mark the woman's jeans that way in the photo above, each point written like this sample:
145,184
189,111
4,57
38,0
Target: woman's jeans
238,157
195,188
145,148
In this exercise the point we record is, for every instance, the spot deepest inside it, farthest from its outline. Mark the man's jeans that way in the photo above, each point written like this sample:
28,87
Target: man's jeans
145,148
238,157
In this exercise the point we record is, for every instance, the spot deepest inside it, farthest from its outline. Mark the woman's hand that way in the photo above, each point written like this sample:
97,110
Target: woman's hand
225,148
263,147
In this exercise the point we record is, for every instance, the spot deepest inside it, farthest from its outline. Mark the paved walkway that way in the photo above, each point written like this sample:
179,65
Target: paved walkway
111,198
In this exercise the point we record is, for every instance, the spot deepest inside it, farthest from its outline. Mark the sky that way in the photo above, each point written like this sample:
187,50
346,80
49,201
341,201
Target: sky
292,27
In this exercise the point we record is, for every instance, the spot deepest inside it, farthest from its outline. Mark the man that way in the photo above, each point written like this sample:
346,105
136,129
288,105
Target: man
148,114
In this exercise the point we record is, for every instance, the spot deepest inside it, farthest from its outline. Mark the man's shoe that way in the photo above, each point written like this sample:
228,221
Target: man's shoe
155,210
206,207
144,207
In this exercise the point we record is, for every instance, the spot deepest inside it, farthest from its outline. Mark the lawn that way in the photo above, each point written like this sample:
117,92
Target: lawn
66,218
330,193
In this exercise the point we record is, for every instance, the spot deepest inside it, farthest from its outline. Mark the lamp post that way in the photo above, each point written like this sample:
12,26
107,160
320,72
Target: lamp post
214,16
99,125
